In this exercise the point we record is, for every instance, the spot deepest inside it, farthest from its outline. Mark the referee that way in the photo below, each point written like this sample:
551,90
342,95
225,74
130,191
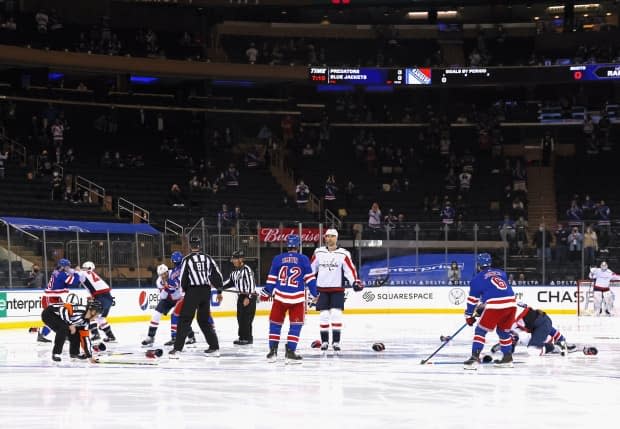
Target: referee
242,278
199,273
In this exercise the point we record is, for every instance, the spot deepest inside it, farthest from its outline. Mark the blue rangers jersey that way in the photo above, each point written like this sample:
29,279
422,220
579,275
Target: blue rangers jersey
60,281
491,288
288,278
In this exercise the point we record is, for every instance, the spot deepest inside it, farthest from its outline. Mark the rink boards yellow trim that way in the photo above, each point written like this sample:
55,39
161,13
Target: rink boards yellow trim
147,317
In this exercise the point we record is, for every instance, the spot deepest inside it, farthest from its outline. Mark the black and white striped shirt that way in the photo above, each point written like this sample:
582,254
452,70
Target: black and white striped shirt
198,269
243,279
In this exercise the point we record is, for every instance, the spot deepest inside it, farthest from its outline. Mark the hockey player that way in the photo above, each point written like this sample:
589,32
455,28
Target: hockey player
174,278
534,328
330,263
491,296
288,278
169,294
59,283
99,290
603,296
71,321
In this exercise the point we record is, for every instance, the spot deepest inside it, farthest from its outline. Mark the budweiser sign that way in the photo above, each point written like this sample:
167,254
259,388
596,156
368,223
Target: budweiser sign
275,235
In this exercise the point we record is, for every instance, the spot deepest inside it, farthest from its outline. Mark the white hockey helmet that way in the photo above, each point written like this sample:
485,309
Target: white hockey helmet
88,265
163,268
603,265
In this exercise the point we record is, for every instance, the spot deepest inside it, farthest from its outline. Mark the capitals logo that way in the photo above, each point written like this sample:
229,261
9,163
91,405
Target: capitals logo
143,300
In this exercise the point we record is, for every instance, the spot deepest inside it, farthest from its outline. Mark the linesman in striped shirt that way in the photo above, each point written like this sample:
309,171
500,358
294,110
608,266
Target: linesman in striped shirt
199,273
242,278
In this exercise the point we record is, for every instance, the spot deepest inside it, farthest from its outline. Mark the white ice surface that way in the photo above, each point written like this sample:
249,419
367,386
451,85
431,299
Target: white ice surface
361,389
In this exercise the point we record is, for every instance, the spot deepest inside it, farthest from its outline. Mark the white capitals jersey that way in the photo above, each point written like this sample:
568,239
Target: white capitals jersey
95,284
603,277
331,266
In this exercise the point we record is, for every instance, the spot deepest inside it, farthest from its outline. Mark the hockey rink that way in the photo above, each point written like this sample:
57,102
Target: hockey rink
360,389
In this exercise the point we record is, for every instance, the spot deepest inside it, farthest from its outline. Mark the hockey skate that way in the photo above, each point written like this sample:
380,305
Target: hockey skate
291,357
473,361
95,337
211,352
563,347
191,341
337,349
56,358
148,341
174,354
324,347
170,343
504,362
110,339
42,339
272,356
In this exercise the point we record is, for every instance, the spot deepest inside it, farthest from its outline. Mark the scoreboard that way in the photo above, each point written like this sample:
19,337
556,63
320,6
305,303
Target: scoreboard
367,76
463,76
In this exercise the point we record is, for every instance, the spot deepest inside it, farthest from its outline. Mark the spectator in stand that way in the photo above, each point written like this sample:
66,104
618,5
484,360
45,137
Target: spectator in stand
603,214
590,246
450,181
232,177
374,218
521,233
36,279
454,273
251,54
330,193
302,193
575,243
225,217
390,220
574,213
464,181
56,185
447,214
518,208
561,243
547,146
287,124
3,159
542,242
176,198
507,230
587,207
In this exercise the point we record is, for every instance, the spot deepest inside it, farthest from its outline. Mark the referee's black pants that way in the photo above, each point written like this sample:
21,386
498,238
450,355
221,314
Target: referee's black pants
61,328
245,317
197,303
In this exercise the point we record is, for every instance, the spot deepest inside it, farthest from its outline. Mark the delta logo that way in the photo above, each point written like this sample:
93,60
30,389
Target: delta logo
143,300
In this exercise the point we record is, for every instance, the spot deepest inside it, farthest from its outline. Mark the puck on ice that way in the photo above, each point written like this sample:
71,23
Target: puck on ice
378,347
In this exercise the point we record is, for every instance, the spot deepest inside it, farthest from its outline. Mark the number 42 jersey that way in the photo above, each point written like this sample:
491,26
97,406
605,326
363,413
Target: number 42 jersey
288,278
490,287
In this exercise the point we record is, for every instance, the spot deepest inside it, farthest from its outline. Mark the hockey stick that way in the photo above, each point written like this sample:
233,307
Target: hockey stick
236,292
126,362
444,344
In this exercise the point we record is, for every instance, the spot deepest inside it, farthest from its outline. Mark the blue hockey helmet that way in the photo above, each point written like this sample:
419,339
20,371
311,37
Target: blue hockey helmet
292,240
176,257
484,260
64,263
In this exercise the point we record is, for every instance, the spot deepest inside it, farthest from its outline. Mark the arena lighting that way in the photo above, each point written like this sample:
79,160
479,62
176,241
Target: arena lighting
417,15
143,80
443,14
577,7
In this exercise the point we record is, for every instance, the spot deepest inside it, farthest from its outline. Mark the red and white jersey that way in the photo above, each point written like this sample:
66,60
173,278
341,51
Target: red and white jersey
602,277
331,268
95,284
